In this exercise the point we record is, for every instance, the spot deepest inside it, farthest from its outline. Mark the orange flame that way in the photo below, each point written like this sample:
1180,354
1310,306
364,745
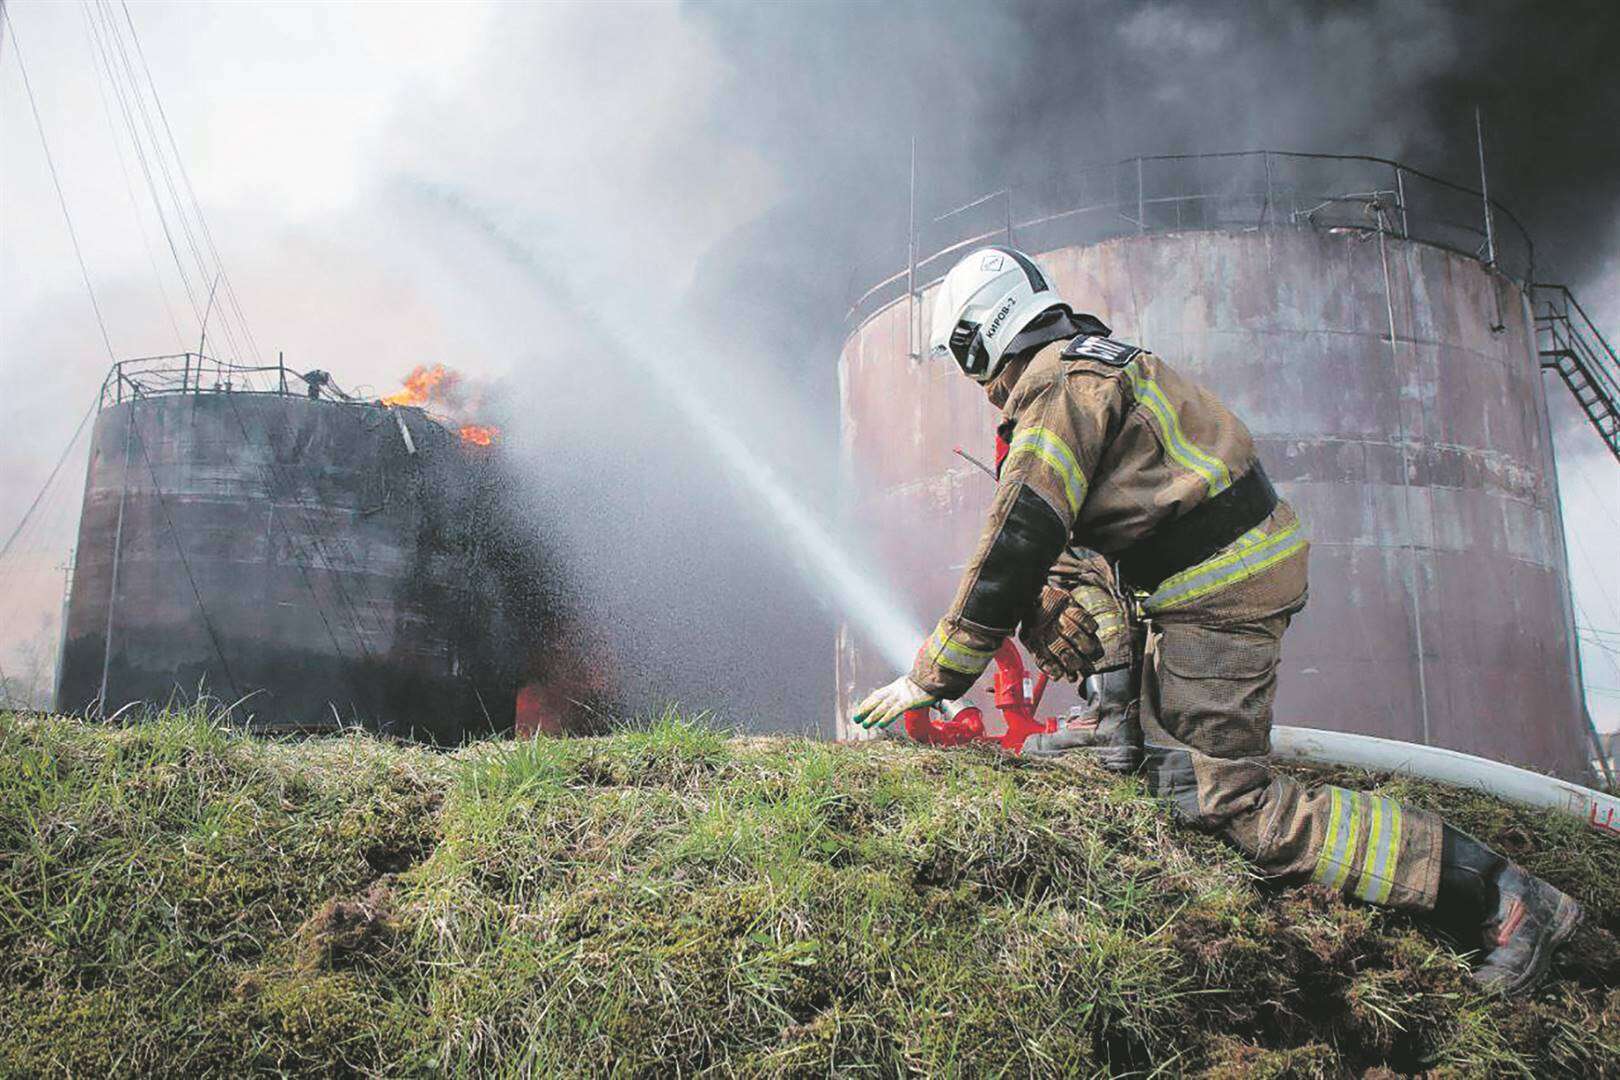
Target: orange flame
419,386
442,389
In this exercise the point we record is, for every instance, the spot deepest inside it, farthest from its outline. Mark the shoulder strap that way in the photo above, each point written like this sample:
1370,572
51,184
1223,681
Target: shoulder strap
1100,348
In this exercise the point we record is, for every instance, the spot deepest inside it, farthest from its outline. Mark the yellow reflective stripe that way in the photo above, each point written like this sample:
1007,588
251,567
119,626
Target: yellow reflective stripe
1040,443
1214,566
1339,845
1253,552
1374,836
959,658
1386,869
1109,626
1383,852
1182,450
1352,836
1325,866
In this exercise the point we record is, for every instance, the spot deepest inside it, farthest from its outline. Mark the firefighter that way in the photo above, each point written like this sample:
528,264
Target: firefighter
1110,447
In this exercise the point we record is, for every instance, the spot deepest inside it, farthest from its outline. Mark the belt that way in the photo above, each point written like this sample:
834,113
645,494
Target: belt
1199,533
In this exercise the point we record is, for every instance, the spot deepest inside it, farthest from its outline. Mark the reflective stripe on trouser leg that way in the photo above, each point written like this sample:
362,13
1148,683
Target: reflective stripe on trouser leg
1361,845
1205,704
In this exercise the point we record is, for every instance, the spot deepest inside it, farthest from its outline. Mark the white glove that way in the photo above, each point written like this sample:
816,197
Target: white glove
887,704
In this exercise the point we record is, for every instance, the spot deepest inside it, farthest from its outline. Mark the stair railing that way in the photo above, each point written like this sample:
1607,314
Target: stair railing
1572,345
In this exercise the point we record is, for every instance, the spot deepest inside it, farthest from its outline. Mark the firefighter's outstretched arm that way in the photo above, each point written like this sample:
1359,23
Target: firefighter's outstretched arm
1043,483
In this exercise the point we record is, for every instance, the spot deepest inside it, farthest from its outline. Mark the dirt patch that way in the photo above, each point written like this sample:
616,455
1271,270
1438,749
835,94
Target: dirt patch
342,930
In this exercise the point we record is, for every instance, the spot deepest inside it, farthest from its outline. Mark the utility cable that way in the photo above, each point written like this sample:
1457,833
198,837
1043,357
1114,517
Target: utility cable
185,177
49,480
1591,727
105,53
195,206
124,73
129,184
21,573
56,181
119,50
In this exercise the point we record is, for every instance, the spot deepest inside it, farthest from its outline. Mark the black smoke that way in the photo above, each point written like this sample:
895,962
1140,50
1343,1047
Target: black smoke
1019,93
1023,93
670,555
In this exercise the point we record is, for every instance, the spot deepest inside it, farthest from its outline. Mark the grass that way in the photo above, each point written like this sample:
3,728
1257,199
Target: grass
178,899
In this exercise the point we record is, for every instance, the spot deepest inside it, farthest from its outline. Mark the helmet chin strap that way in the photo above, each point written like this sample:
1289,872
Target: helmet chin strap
1056,323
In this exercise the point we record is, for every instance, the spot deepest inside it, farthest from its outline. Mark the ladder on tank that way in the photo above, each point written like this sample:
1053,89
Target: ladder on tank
1572,346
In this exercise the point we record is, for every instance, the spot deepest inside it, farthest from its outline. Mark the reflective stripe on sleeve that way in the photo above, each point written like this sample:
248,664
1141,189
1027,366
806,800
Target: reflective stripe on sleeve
1043,445
955,657
1109,625
1251,553
1104,610
1383,851
1212,470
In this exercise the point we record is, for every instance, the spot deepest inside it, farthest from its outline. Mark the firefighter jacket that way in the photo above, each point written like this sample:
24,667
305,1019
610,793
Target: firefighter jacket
1111,448
1086,575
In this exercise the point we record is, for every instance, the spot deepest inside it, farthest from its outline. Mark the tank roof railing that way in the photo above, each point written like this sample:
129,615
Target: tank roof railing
1240,189
197,373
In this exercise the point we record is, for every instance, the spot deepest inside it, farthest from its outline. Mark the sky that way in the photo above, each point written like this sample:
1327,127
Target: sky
398,184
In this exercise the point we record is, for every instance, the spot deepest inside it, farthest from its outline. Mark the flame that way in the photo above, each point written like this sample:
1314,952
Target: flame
444,390
419,386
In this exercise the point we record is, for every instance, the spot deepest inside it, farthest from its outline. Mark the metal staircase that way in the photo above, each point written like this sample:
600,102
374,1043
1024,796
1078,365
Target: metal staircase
1572,346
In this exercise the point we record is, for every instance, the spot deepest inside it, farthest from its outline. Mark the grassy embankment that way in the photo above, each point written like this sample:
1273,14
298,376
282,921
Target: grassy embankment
181,900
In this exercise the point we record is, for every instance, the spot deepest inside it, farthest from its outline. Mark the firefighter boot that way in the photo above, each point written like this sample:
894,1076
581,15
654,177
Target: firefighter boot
1517,920
1106,727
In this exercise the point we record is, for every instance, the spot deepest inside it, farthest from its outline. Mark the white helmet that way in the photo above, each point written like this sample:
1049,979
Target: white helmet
983,303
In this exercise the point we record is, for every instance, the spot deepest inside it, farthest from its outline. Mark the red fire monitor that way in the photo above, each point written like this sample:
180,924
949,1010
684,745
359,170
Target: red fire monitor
1015,697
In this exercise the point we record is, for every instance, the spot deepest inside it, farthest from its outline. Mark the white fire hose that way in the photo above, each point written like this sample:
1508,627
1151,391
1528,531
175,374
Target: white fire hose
1598,809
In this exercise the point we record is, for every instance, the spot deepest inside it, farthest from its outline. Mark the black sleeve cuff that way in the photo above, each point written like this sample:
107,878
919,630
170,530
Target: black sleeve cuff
1030,541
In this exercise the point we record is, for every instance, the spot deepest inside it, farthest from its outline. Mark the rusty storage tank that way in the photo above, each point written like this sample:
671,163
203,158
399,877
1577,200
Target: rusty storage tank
311,556
1371,326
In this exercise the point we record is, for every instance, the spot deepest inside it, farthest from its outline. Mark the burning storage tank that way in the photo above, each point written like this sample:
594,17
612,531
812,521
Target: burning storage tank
317,559
1372,327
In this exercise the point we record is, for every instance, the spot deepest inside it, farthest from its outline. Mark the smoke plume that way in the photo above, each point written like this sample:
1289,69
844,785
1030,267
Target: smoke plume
717,181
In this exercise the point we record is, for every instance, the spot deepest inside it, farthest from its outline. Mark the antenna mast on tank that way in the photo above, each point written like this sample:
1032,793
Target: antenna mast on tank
1485,189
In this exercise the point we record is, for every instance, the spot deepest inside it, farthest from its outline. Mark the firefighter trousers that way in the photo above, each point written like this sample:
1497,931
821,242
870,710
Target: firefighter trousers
1207,692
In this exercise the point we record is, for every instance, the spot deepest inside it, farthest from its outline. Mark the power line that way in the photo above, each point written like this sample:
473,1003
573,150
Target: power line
1595,643
49,480
106,58
198,237
73,234
120,53
185,177
1598,499
123,170
120,59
